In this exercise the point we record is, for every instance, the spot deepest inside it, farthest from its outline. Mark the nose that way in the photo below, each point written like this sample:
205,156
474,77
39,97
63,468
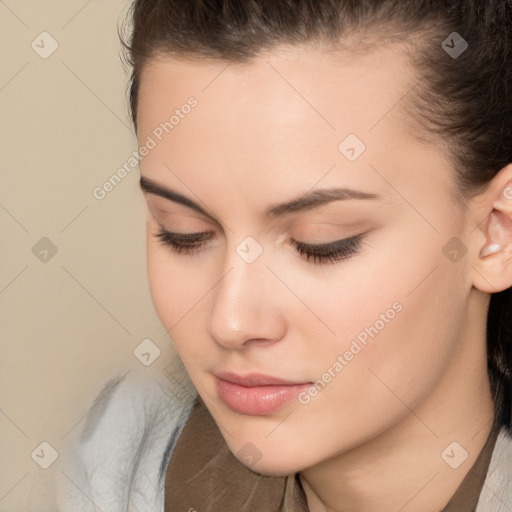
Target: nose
245,310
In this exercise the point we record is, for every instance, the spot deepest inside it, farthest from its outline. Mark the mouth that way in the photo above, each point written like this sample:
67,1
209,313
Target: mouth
256,394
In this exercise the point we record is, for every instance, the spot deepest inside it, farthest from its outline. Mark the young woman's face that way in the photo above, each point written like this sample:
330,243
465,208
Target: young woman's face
377,326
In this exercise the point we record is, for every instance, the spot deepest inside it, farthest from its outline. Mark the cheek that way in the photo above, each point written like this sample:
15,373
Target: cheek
397,326
179,294
172,291
159,281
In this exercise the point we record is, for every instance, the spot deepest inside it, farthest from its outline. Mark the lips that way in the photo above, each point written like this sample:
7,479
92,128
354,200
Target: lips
256,394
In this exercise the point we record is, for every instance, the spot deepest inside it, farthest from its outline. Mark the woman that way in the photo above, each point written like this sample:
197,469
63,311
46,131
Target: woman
329,195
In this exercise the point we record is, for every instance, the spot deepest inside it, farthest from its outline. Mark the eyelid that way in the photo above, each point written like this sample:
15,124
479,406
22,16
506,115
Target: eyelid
161,208
332,252
321,254
190,237
330,244
199,236
161,217
334,232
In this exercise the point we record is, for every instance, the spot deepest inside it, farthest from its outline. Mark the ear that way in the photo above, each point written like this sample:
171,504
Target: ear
493,237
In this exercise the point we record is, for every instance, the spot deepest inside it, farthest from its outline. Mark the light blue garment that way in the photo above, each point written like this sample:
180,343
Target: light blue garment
117,461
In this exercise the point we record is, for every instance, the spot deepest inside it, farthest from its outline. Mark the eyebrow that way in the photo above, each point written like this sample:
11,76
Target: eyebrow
308,201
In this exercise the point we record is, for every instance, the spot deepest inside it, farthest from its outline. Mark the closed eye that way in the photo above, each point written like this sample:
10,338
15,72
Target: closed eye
317,253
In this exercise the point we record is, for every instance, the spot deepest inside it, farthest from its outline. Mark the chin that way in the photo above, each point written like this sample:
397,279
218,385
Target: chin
275,468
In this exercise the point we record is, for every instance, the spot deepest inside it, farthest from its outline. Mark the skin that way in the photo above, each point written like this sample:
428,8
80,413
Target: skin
267,132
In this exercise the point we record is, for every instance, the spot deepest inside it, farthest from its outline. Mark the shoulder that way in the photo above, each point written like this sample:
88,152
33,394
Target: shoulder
496,493
117,458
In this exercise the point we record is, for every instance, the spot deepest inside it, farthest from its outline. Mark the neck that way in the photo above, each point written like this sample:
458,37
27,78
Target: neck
402,469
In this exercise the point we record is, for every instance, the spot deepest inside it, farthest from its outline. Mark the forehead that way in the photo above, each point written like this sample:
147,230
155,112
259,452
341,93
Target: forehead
344,88
280,116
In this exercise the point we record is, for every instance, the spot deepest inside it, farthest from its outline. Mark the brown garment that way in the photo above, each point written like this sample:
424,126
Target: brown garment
204,476
466,496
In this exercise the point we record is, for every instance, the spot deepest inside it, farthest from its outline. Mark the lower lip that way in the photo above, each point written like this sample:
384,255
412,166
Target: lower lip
257,400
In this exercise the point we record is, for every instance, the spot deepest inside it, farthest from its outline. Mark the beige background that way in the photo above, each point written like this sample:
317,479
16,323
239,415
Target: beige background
71,322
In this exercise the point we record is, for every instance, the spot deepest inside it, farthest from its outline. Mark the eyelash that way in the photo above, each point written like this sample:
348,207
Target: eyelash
322,253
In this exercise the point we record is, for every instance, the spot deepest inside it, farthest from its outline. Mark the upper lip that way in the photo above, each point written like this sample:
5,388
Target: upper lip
255,379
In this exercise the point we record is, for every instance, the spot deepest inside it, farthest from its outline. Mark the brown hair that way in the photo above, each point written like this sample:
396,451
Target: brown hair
462,101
